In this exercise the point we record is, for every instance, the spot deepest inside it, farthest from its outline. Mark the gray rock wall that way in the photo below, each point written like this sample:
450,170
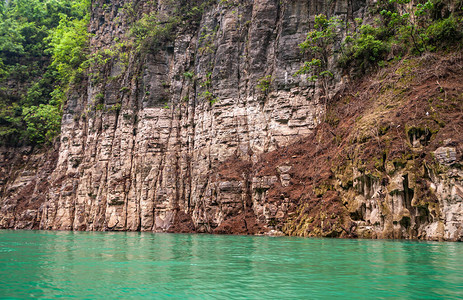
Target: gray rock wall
134,168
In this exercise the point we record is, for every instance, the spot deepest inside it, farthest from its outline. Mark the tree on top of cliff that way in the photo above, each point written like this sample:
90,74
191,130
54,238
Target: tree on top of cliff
319,47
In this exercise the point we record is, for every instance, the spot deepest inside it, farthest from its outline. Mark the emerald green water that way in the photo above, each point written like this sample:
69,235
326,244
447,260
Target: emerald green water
43,264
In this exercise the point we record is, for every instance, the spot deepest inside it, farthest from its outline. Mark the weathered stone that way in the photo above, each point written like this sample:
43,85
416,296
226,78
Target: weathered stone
446,155
283,169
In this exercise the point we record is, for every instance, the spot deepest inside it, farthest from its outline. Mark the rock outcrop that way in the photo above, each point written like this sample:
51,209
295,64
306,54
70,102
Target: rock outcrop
174,138
140,141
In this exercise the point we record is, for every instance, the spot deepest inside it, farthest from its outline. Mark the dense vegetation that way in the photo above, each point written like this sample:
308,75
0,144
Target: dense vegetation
400,28
42,47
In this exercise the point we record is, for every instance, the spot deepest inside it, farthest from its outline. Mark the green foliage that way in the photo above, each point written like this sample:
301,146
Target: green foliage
116,107
124,89
99,97
153,29
363,48
401,28
206,41
264,83
42,46
43,122
68,44
208,82
207,85
188,75
10,123
415,29
319,47
209,96
445,32
100,106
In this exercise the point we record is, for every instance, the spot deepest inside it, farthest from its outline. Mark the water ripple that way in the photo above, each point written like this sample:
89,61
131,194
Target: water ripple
45,264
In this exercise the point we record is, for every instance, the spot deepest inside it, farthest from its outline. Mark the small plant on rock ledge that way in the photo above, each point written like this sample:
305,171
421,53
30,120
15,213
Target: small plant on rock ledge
207,94
209,97
264,83
189,75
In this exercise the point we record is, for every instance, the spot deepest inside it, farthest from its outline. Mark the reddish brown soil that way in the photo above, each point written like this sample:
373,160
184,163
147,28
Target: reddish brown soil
424,93
234,169
245,223
182,223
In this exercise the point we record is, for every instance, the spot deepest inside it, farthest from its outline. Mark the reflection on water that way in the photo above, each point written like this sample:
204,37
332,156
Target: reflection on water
101,265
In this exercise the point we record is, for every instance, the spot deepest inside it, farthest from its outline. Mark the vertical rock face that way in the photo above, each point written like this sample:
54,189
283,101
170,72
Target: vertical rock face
141,143
24,185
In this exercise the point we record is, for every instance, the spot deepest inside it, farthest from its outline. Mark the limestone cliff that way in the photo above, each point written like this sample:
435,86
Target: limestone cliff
178,138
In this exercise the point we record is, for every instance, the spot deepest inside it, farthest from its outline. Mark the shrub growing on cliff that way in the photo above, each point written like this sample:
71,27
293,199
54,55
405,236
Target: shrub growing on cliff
43,122
401,27
207,86
10,123
363,49
264,83
153,29
445,32
68,45
416,27
319,47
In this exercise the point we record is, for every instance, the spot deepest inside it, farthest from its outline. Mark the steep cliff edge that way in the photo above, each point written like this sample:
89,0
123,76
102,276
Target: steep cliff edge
180,137
385,164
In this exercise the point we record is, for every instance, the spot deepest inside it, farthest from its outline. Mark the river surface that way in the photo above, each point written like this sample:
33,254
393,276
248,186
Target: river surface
44,264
